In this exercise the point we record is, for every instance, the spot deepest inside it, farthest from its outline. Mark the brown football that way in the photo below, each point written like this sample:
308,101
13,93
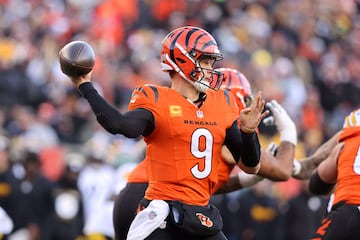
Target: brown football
76,58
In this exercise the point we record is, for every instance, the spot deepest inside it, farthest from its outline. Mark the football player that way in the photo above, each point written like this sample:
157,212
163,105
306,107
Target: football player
275,168
276,164
185,127
340,173
302,168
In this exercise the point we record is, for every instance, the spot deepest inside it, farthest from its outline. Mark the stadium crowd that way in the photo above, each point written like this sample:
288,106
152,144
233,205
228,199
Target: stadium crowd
305,54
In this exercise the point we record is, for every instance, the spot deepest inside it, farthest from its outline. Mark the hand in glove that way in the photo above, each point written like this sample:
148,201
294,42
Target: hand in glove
282,121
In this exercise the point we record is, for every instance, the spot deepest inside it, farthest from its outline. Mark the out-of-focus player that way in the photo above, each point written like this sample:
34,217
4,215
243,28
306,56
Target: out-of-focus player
276,164
340,172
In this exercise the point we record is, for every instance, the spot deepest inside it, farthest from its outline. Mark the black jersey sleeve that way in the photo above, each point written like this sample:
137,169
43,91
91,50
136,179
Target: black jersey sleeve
132,124
243,146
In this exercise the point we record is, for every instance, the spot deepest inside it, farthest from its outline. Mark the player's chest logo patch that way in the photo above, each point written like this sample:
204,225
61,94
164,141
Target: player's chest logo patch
199,114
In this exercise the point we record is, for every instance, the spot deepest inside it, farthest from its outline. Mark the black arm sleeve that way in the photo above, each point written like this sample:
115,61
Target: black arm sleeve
132,124
317,186
243,146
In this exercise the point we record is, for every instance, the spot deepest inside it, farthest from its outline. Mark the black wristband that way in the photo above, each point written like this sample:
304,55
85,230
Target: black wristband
251,147
249,137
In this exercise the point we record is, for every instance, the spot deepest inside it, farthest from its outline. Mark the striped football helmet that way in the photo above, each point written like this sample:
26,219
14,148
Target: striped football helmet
183,48
238,85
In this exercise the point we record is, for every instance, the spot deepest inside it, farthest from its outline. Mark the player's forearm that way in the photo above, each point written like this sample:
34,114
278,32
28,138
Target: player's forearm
244,147
278,168
250,158
239,181
132,124
308,164
324,150
231,185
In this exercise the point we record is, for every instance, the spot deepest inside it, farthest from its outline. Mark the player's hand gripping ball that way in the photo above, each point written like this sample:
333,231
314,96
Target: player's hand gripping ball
77,58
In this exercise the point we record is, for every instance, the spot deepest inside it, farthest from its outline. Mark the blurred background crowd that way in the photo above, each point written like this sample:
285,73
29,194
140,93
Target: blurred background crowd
305,54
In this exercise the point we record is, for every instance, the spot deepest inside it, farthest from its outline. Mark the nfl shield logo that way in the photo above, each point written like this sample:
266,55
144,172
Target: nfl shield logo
199,114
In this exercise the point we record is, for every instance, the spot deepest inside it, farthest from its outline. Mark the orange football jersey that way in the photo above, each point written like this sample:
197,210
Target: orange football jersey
348,179
138,175
184,150
223,174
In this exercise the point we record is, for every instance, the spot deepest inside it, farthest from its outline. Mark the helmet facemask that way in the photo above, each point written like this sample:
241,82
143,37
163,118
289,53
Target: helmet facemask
205,78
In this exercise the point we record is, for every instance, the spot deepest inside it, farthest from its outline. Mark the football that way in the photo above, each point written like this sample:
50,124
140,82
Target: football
76,58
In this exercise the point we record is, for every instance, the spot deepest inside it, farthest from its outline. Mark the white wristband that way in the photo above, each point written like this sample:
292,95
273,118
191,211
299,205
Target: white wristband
296,168
247,180
289,134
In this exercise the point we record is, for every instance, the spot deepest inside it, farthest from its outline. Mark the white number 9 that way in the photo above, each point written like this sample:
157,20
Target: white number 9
198,153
